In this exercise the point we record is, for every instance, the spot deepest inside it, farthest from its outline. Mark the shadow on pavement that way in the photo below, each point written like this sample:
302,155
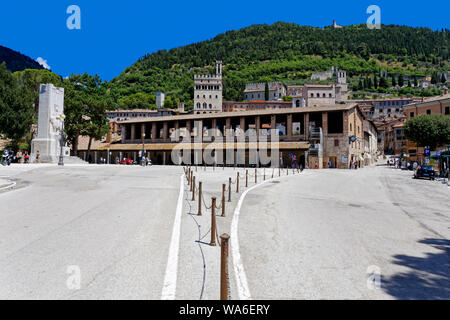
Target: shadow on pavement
429,277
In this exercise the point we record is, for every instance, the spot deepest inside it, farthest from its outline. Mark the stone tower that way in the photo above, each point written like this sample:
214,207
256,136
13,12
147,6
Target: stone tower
208,92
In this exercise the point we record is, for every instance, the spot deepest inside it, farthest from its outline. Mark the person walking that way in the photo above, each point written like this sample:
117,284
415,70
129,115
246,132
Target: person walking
37,156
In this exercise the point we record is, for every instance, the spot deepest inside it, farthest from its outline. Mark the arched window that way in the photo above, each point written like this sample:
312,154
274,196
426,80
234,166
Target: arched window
210,106
198,105
324,95
351,128
204,105
312,95
331,95
318,95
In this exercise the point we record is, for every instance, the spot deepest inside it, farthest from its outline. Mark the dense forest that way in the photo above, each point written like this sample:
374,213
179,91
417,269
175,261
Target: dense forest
284,52
15,61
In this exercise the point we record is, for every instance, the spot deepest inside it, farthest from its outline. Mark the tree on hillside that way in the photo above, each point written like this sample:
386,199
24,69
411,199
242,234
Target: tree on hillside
416,84
30,80
443,80
383,83
394,83
85,103
434,78
428,130
16,108
401,80
361,85
375,81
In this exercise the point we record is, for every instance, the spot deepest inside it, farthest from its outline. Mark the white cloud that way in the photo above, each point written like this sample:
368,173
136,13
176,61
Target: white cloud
43,63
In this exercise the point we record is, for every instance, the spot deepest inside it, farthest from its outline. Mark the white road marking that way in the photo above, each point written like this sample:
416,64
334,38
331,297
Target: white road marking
239,271
170,278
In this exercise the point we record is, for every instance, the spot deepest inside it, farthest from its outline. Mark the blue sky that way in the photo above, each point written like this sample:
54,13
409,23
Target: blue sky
114,34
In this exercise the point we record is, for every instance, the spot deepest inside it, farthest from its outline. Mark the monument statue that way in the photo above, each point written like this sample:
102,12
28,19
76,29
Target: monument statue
50,124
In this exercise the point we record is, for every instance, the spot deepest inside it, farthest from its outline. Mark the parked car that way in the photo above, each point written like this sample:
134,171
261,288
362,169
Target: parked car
425,172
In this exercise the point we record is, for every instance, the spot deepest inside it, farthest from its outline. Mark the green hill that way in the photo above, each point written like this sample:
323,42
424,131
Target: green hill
15,61
281,51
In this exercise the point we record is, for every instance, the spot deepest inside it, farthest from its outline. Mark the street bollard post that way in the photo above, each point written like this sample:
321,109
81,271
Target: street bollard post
256,176
237,183
193,189
213,222
246,178
229,189
199,213
224,186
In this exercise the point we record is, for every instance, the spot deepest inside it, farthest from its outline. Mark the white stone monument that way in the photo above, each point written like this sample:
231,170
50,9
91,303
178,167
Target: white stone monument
50,124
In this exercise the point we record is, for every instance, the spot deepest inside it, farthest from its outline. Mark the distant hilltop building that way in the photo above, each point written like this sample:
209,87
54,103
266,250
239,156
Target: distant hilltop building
208,92
335,25
334,72
257,91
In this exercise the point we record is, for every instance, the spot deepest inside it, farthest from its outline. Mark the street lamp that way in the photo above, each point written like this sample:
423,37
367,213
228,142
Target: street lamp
61,155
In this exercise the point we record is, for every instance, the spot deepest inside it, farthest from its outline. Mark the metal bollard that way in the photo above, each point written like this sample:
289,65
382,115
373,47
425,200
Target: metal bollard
193,189
199,213
237,183
273,172
256,176
191,179
246,178
264,174
224,186
229,189
213,222
224,276
279,171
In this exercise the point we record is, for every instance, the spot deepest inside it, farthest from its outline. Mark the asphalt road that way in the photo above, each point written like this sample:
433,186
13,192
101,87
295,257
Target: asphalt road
321,234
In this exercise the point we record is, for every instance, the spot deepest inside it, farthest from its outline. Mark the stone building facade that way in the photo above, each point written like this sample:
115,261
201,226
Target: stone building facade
208,92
